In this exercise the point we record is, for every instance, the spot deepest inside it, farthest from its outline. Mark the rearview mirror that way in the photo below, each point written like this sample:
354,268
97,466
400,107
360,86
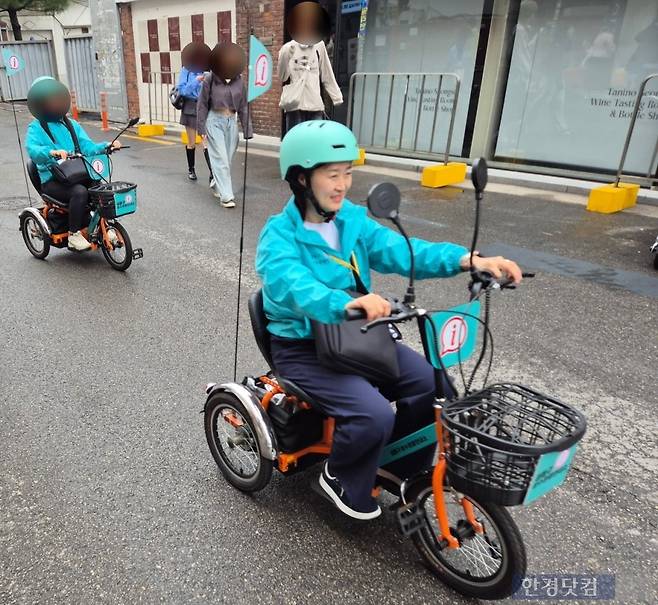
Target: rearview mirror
133,122
384,201
479,174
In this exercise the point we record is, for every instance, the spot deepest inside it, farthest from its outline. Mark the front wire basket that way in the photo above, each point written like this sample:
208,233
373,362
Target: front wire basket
114,199
496,436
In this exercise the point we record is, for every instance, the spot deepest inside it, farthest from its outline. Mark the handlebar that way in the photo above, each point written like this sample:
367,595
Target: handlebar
107,151
481,281
400,312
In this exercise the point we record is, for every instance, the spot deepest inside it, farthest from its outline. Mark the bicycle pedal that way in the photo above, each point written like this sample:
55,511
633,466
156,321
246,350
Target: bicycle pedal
138,253
410,519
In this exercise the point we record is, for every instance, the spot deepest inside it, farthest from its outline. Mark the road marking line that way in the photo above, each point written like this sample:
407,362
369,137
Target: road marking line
148,140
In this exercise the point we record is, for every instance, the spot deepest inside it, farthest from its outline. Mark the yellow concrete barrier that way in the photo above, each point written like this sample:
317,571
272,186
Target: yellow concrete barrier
442,175
183,137
362,158
609,198
151,130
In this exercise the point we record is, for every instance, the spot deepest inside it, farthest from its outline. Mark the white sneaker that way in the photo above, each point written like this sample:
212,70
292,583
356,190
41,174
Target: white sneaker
113,237
211,185
78,242
229,204
217,195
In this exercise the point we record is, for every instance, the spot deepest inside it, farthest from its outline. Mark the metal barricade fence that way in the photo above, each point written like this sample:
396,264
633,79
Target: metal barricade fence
160,108
425,103
649,179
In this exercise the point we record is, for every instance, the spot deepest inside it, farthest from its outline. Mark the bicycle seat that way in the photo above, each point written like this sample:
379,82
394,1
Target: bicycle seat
33,173
263,340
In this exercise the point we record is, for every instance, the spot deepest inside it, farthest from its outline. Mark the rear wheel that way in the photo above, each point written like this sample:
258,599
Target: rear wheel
233,443
120,255
34,236
490,565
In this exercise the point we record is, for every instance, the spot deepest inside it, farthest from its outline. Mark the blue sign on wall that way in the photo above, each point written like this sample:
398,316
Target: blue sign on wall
353,6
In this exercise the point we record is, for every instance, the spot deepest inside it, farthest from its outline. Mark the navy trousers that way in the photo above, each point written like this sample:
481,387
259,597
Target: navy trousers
365,418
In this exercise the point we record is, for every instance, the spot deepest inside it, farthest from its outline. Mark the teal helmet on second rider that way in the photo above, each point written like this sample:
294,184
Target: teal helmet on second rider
310,145
48,99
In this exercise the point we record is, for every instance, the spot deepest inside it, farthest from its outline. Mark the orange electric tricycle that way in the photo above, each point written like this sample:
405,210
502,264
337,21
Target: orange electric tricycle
499,446
108,201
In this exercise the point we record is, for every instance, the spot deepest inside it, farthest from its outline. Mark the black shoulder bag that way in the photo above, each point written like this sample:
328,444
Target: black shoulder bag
344,348
69,172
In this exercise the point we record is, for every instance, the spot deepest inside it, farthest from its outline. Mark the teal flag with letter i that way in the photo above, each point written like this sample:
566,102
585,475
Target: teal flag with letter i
260,69
12,61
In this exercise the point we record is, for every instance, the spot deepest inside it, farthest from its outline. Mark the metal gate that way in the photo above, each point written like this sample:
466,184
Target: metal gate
410,114
81,67
38,57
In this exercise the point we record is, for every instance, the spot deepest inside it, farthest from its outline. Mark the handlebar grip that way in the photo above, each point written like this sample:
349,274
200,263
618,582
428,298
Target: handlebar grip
354,314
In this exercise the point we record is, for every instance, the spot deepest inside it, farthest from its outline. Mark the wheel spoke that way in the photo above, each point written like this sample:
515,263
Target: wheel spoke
242,457
478,556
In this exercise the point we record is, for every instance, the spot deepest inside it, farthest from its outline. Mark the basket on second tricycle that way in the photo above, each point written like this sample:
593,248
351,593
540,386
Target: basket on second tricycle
509,444
114,199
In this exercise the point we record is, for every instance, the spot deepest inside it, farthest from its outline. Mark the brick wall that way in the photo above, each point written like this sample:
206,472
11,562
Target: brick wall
268,28
126,21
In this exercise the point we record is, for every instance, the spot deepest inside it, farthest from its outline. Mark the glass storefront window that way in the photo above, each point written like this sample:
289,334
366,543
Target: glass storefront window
575,70
416,36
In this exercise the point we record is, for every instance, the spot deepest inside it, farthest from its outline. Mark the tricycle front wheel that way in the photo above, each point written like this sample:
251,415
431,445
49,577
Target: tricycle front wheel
120,254
487,565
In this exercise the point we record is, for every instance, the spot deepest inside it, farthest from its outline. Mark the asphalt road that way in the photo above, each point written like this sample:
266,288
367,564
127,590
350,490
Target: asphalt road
108,493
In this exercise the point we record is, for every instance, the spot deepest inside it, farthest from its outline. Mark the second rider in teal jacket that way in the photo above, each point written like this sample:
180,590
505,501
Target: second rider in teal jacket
306,259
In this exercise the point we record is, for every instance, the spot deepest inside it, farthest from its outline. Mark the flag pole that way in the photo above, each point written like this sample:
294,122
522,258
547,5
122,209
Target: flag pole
245,131
20,142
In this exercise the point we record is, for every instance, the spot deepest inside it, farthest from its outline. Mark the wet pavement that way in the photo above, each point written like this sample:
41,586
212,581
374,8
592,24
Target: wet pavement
108,493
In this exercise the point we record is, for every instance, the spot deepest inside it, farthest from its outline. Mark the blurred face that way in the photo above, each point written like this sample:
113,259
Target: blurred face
57,106
227,61
196,56
308,23
330,184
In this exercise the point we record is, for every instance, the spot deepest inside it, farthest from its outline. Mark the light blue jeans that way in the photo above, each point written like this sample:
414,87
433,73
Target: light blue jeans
222,132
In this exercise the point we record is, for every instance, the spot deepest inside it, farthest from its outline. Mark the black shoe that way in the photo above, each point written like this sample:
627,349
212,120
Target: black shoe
191,175
332,488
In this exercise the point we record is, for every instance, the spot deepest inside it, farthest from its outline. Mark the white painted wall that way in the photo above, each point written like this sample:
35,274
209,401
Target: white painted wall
145,10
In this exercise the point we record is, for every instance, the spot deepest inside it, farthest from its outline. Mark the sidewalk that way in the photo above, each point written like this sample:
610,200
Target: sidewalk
498,176
410,168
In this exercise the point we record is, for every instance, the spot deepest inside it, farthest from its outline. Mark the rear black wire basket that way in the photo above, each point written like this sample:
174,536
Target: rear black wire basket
497,435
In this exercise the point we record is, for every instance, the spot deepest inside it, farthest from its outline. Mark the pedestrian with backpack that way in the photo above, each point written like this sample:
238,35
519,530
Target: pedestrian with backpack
195,59
304,66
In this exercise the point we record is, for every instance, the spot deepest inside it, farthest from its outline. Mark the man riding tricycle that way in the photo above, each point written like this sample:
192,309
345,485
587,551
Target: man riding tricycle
373,410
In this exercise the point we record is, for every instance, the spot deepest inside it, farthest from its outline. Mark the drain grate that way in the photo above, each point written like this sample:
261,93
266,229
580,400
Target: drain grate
17,202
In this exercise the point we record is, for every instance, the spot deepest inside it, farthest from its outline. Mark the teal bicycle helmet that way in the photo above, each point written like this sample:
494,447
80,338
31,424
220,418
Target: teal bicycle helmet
42,91
309,145
316,142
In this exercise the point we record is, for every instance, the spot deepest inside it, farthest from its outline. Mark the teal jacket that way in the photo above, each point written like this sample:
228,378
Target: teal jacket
301,280
39,145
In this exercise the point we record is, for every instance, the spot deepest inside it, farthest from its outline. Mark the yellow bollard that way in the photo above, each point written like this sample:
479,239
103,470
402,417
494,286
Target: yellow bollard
362,158
151,130
442,175
610,198
183,137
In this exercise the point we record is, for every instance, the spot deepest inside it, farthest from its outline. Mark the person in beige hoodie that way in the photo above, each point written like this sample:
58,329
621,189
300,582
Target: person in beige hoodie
306,68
